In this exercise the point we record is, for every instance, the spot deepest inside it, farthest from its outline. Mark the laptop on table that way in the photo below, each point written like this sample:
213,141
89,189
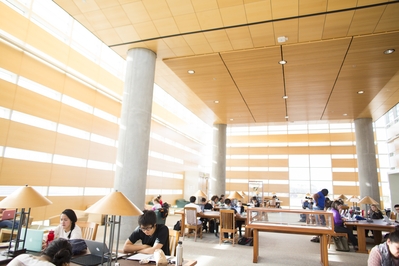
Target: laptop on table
8,215
33,240
97,249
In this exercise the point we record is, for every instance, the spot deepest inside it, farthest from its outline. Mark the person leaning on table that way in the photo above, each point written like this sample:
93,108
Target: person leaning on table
386,254
58,253
152,235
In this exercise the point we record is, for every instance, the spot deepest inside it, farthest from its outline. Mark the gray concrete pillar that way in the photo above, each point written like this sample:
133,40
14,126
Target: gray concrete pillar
366,159
217,185
134,132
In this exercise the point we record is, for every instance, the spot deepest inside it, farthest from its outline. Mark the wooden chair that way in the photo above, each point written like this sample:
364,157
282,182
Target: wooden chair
173,241
227,225
89,229
191,222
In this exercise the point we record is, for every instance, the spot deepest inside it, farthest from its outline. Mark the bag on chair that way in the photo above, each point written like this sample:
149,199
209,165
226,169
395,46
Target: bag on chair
245,241
341,243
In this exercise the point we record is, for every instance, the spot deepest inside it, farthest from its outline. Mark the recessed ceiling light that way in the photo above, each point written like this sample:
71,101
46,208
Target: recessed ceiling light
231,119
389,51
191,72
286,117
360,92
345,114
216,101
282,62
285,97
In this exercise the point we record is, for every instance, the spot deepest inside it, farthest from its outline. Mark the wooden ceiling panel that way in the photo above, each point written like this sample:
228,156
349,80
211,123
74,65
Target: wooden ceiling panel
180,7
233,15
116,16
312,6
240,38
284,9
136,12
258,11
218,40
389,19
337,24
311,28
187,23
365,20
232,45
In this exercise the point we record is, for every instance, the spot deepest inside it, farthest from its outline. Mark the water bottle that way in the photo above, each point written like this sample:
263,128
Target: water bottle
179,254
50,237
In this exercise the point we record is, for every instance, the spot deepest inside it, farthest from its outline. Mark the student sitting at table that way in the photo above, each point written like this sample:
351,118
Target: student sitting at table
339,226
58,253
238,223
152,235
7,223
395,214
68,228
386,253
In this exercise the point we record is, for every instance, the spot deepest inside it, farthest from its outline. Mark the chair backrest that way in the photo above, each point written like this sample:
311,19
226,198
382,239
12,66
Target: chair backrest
227,219
191,215
89,229
173,241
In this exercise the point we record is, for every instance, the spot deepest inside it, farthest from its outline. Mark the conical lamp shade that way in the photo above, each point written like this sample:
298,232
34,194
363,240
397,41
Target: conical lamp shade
353,199
342,196
200,193
235,195
242,193
115,204
367,200
24,197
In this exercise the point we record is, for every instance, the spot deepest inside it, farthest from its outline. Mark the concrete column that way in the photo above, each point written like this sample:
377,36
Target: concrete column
217,184
366,159
134,132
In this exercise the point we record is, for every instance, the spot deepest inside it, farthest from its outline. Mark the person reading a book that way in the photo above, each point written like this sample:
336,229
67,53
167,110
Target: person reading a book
152,235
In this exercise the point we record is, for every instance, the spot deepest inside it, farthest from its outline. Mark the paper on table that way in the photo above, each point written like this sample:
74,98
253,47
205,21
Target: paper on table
149,257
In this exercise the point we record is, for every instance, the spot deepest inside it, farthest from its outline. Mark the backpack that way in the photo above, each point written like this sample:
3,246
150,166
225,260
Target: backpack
177,226
164,210
245,241
78,246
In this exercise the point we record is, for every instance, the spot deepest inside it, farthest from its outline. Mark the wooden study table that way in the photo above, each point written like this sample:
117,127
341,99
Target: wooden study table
125,262
207,215
378,225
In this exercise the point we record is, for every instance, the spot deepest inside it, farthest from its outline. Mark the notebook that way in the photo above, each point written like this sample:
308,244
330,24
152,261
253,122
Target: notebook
33,240
97,249
8,215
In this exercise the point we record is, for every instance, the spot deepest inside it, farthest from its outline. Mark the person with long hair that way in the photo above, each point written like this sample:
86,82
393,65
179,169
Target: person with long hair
387,253
339,226
58,253
68,228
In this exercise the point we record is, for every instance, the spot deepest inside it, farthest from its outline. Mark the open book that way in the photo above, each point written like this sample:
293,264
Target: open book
149,257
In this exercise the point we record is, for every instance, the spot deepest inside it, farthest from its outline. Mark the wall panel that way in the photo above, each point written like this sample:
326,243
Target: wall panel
7,94
34,104
13,23
352,163
20,172
71,146
4,128
345,176
102,153
104,128
100,178
31,138
65,175
75,118
79,91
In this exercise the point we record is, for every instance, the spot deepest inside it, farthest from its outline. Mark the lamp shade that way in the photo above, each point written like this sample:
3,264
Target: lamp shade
242,193
235,195
115,204
24,197
342,196
353,199
200,193
367,200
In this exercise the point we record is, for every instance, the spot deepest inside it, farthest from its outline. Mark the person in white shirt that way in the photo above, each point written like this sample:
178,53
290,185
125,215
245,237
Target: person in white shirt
68,228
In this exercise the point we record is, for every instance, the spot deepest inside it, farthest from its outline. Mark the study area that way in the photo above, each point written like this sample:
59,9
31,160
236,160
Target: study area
169,97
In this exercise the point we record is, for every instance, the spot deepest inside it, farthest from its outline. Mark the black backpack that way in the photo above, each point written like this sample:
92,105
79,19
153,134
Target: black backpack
177,226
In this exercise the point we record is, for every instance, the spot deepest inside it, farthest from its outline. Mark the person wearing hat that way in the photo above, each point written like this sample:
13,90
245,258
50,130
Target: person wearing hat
68,228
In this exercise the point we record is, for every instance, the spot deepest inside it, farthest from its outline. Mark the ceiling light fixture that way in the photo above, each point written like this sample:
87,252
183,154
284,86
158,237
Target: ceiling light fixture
285,97
389,51
231,119
286,117
191,72
345,114
282,62
216,101
360,92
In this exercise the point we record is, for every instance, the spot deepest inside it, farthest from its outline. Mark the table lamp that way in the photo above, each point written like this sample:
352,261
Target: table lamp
354,201
342,196
114,205
23,198
368,200
200,194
